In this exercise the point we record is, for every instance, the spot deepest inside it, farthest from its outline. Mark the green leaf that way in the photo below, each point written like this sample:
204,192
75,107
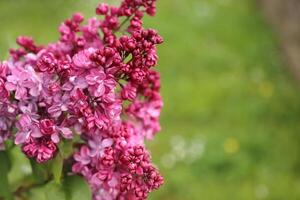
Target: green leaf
54,191
50,191
57,167
9,144
66,148
38,193
5,166
20,166
76,188
39,171
5,163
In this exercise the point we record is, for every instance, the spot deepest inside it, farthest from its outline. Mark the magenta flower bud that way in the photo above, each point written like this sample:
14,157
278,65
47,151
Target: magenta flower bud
129,92
103,175
102,9
47,127
151,11
78,17
27,43
47,63
107,159
138,75
3,92
46,151
3,69
80,42
129,44
54,88
30,150
42,150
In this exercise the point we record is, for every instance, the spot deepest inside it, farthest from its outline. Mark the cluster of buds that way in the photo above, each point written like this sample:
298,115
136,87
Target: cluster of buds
96,82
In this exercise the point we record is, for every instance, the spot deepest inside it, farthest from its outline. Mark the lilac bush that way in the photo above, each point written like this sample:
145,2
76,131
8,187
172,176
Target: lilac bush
96,90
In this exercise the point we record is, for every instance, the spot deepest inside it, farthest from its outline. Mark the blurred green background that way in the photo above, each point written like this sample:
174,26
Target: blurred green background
231,116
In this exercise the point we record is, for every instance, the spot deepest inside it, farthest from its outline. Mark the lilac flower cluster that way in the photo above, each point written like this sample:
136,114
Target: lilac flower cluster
96,82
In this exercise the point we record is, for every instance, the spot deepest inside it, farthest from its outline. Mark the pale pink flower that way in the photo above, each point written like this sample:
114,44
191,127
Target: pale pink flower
82,60
27,129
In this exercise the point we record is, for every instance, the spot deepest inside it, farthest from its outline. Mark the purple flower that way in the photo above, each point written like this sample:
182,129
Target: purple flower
82,60
83,156
97,145
27,129
63,132
59,105
22,80
96,80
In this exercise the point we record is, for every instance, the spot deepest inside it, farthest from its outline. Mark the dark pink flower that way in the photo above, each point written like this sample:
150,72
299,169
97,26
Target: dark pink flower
129,92
47,126
47,63
27,43
3,69
3,92
41,149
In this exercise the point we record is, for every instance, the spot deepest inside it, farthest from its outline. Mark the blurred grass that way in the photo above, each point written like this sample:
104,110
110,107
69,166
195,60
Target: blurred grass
231,116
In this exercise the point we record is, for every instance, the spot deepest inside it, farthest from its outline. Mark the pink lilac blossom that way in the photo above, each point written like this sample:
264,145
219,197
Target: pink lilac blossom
97,82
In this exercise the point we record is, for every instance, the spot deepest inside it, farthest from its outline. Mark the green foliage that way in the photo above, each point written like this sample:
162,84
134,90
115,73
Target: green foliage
54,191
72,188
5,166
40,171
48,183
57,167
66,148
76,188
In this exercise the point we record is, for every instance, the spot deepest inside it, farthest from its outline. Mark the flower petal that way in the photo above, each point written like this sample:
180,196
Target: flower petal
107,142
66,132
55,138
21,137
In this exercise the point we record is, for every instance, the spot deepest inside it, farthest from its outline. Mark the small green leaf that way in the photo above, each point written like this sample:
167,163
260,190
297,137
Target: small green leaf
76,188
5,166
57,167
